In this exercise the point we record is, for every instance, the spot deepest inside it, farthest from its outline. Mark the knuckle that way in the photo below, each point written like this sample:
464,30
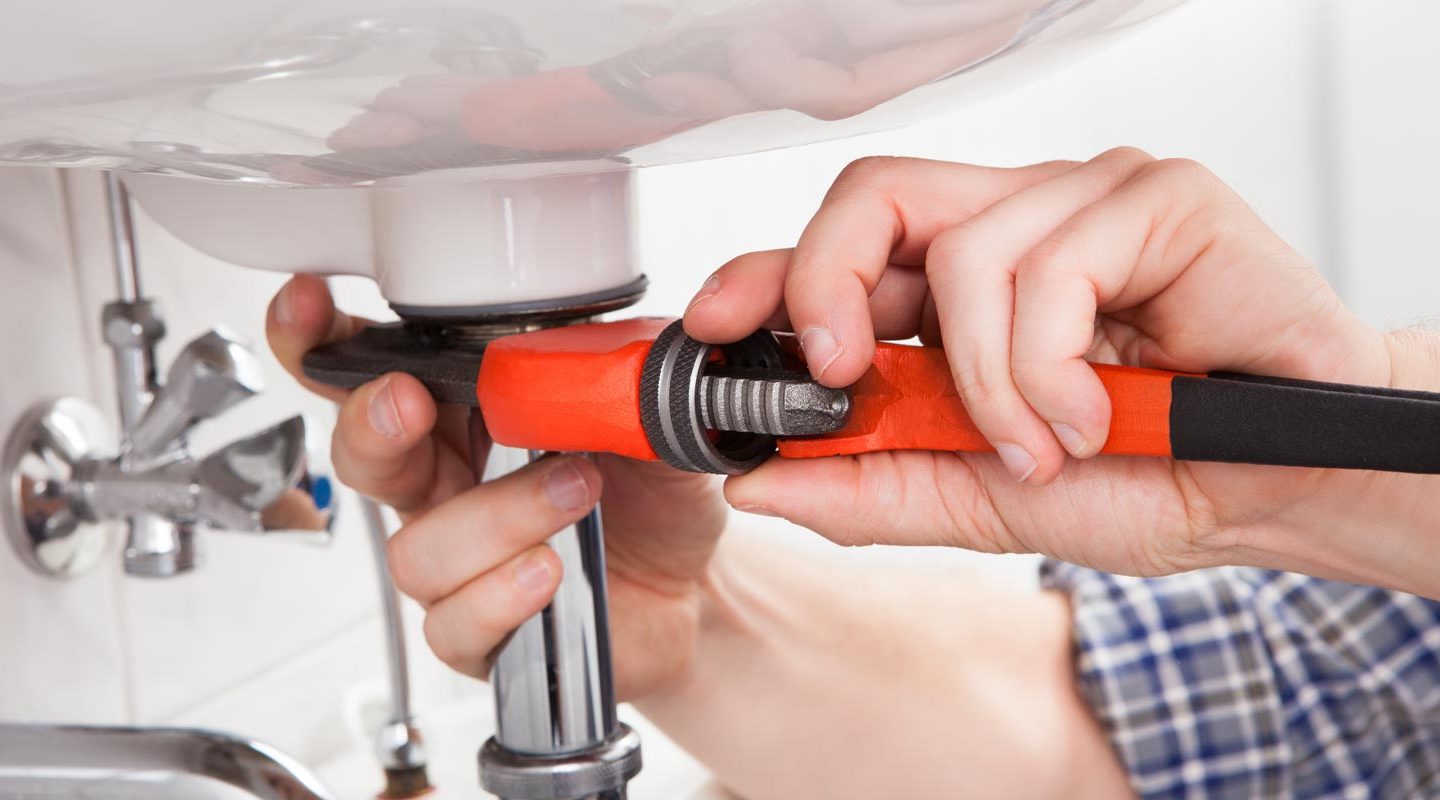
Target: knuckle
1030,374
340,460
350,472
369,467
1047,258
438,639
867,172
1125,155
951,251
977,386
881,492
1183,172
404,569
1114,167
960,491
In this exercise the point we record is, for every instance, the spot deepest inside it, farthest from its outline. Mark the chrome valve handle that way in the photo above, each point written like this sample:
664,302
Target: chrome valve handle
210,376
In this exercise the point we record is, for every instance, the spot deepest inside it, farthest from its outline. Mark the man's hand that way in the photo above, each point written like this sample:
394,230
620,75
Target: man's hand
475,556
1023,275
757,651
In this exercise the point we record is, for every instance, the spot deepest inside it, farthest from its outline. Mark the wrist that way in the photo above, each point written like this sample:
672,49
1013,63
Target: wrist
1373,528
818,677
724,599
1414,359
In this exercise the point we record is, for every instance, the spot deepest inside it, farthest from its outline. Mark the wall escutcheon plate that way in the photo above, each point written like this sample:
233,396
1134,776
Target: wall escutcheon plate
38,466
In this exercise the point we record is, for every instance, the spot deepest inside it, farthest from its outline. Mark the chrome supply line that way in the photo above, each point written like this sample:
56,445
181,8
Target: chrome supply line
132,325
399,743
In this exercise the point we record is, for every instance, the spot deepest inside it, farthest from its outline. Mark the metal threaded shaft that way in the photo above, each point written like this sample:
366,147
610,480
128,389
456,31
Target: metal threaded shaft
773,406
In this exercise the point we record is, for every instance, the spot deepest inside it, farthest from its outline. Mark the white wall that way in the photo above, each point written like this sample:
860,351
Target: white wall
1385,112
277,640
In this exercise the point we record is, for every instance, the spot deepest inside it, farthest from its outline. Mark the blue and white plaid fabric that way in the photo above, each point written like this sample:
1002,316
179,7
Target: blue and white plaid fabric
1249,683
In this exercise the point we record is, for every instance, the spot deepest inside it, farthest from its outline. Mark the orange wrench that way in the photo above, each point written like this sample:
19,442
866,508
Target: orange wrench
642,389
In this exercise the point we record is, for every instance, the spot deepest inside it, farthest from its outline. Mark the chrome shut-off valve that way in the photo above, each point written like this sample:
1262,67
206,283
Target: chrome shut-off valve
67,481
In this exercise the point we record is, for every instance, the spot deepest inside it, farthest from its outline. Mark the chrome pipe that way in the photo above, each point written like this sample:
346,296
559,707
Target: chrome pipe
122,239
553,691
132,325
154,547
557,735
399,665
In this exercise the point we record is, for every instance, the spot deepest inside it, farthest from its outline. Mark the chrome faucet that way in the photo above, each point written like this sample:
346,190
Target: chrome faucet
184,764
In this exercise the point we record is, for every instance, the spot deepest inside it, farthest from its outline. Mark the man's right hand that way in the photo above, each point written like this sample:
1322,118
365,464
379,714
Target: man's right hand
1022,275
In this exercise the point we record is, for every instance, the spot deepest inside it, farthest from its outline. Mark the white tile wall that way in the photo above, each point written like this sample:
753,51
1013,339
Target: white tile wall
222,646
61,654
281,641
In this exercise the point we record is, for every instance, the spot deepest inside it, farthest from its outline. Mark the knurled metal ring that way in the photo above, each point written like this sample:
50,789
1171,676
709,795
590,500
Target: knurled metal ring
670,402
603,768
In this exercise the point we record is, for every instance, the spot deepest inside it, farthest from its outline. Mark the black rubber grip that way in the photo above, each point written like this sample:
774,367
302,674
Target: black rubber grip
1248,420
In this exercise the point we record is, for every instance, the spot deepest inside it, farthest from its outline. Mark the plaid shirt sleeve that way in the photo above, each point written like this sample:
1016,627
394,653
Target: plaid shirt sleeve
1249,683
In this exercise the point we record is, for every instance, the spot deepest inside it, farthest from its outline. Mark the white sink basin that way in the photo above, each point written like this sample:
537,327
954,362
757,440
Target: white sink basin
494,139
308,92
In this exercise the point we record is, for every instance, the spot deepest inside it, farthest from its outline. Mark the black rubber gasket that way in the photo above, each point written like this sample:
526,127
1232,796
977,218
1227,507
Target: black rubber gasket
576,305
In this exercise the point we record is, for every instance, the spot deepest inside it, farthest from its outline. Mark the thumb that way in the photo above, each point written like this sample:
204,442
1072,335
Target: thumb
895,497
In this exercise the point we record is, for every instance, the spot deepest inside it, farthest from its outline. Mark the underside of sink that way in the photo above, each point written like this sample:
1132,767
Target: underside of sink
342,92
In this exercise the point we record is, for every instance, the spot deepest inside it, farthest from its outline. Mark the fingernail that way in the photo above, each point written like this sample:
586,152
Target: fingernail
820,347
533,573
1020,463
285,304
1070,439
384,415
757,509
708,289
566,488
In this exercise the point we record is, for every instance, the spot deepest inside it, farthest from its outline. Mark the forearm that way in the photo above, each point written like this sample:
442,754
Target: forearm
1380,529
817,680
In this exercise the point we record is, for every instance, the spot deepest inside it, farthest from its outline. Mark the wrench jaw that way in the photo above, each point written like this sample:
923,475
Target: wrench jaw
653,392
446,365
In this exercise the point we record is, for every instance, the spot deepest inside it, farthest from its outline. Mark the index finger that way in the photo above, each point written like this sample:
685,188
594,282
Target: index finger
879,211
301,317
